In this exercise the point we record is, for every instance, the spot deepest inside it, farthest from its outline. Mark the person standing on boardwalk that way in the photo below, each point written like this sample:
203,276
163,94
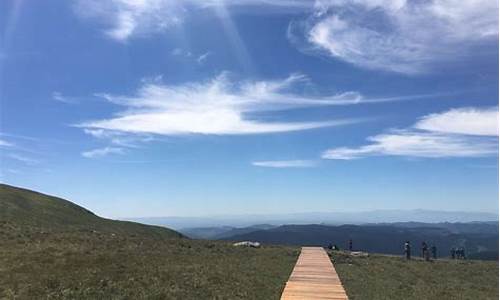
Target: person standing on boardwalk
434,251
350,244
407,250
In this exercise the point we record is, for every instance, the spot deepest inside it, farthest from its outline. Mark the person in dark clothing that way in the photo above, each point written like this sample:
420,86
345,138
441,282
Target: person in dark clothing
434,251
350,244
452,252
407,250
462,253
424,249
427,255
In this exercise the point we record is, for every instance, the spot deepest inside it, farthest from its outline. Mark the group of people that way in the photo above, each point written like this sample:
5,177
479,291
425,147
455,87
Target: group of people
427,251
335,247
457,253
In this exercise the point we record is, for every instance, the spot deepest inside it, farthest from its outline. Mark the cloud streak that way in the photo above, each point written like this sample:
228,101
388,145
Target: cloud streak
465,132
202,58
285,164
26,160
5,144
58,96
100,152
400,36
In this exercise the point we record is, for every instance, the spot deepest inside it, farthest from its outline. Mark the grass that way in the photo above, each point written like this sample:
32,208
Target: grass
390,277
113,266
37,212
51,248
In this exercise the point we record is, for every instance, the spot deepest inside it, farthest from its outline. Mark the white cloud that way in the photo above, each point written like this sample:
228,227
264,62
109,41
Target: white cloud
431,137
401,36
285,163
202,58
118,138
59,97
24,159
218,106
125,18
5,144
471,121
102,152
181,52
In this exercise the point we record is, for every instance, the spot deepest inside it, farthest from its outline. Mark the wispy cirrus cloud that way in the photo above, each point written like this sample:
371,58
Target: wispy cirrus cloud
5,144
100,152
464,132
218,106
24,159
58,96
123,19
203,57
285,163
399,36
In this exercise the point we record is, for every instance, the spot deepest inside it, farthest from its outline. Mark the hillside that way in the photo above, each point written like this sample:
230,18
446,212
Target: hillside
54,249
380,277
475,238
33,211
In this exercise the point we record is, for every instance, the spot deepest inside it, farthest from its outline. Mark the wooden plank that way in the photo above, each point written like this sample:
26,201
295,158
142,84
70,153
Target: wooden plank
314,278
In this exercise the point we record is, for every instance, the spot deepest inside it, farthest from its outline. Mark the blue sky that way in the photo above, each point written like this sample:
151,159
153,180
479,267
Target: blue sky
161,108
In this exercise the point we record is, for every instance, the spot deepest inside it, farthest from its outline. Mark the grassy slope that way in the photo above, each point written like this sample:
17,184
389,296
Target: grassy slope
389,277
36,212
51,248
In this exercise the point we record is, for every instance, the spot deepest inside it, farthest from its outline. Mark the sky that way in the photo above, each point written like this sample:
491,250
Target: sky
140,108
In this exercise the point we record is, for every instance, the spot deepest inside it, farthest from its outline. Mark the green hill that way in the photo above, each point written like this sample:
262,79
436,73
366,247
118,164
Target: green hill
51,248
31,211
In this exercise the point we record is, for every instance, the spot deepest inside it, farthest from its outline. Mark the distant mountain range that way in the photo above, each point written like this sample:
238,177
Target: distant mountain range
326,218
217,233
480,239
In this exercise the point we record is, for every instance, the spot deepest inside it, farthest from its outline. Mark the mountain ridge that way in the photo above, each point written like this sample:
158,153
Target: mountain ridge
387,239
330,218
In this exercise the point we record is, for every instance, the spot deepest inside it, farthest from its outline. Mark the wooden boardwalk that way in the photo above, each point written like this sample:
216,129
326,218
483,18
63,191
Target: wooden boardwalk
313,277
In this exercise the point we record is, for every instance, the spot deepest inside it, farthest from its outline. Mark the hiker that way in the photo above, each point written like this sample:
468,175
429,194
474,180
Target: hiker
424,249
350,244
330,246
434,251
407,250
462,253
452,252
